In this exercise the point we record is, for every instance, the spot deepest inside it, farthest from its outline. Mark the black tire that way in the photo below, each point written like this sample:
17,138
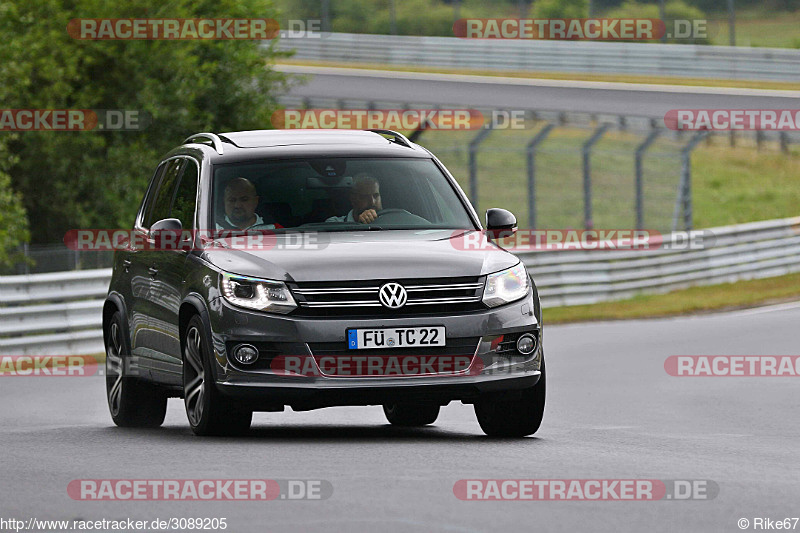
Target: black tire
411,414
131,401
514,418
208,412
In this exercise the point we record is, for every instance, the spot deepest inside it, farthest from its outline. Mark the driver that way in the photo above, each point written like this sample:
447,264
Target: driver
365,197
241,200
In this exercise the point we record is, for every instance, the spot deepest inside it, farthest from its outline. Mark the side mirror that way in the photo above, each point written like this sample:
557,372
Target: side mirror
166,224
500,220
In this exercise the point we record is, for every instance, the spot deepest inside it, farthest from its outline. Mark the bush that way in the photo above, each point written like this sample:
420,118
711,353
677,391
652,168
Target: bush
13,218
673,10
561,9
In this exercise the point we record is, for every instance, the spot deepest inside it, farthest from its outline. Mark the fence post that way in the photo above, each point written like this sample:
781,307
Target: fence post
587,176
784,142
530,153
640,150
325,16
684,201
473,164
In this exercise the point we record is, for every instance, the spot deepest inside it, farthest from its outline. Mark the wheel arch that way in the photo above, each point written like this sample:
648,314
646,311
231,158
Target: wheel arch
193,305
115,303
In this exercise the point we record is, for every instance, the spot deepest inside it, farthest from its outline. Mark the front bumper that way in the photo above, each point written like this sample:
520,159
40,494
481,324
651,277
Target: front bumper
264,389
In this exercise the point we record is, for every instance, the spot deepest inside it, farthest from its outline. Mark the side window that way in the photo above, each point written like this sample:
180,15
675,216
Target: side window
183,206
147,203
165,193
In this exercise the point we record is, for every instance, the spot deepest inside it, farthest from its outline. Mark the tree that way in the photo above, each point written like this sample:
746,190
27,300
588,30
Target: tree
13,219
561,9
96,179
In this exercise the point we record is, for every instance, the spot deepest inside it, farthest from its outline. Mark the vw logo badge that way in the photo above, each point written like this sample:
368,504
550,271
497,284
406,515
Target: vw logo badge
393,295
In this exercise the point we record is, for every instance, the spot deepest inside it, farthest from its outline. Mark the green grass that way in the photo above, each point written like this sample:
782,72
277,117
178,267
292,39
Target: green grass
741,294
730,185
758,28
743,185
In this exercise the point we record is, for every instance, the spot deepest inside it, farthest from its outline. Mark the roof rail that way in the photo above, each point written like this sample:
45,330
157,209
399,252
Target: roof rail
213,137
399,138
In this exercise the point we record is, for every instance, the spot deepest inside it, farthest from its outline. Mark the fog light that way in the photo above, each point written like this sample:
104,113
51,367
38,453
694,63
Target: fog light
245,354
526,344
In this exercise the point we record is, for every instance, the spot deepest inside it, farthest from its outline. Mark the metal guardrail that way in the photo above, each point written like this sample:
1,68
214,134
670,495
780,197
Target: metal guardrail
60,313
744,251
684,60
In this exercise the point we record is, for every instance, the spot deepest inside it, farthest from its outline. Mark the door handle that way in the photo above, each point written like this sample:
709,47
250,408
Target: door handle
126,264
153,271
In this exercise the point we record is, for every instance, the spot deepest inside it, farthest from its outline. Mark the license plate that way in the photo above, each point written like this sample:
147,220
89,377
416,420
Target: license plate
361,339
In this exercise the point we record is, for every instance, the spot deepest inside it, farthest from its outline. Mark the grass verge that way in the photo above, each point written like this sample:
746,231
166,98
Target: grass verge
730,185
726,296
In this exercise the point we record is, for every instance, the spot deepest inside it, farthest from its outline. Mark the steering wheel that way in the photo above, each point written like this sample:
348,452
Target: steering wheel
399,216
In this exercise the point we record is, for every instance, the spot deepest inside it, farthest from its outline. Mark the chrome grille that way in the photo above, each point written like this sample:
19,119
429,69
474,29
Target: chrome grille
423,295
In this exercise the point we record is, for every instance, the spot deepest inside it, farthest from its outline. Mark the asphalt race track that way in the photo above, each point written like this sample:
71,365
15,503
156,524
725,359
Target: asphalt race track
455,91
612,413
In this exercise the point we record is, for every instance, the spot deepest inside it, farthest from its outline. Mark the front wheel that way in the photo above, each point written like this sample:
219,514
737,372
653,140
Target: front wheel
131,401
208,412
514,418
411,414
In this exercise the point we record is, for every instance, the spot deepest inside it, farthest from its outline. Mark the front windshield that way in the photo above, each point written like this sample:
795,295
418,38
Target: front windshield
336,194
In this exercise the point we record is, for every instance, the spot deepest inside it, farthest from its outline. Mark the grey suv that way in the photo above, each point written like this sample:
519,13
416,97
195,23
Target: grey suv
316,269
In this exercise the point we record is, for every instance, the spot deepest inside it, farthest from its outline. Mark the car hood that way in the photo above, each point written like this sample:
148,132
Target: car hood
388,254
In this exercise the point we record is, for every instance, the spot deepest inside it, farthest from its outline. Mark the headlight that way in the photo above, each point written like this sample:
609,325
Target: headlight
506,286
258,294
